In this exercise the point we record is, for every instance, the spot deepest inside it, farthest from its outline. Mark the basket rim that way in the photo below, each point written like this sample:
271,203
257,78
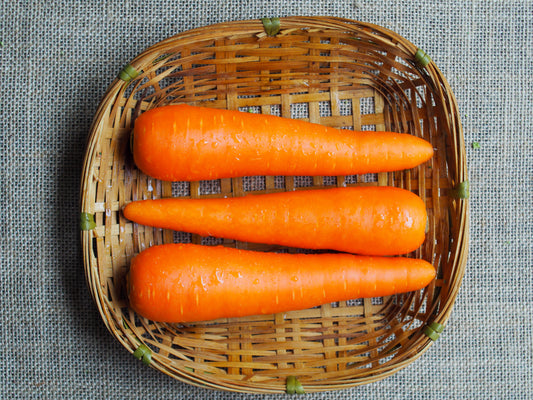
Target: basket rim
255,27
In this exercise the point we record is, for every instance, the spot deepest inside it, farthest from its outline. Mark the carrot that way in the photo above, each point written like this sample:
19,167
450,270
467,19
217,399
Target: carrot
187,282
365,220
183,142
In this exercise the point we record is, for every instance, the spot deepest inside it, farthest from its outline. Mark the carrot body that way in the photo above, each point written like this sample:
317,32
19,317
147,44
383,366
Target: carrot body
187,282
364,220
182,142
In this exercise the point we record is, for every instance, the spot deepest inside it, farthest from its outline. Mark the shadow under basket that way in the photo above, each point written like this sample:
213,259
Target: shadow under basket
331,71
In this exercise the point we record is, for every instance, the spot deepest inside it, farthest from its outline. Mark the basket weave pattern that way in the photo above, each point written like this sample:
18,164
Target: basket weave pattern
329,71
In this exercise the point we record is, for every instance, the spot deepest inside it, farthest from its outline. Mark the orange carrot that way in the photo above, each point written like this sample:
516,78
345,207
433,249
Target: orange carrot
364,220
182,142
187,282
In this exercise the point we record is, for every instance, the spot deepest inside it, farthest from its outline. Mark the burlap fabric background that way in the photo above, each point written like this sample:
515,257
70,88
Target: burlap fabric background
56,61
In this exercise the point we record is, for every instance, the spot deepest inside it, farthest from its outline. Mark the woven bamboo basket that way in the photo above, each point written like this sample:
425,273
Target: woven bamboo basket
331,71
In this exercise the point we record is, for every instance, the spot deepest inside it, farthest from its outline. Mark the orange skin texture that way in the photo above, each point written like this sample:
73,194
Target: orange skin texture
183,142
187,282
363,220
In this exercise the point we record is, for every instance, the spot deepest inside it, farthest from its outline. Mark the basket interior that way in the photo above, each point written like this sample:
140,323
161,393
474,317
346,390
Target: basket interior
344,75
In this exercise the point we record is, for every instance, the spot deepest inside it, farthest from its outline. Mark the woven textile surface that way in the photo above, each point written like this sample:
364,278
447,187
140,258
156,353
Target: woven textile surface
57,60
